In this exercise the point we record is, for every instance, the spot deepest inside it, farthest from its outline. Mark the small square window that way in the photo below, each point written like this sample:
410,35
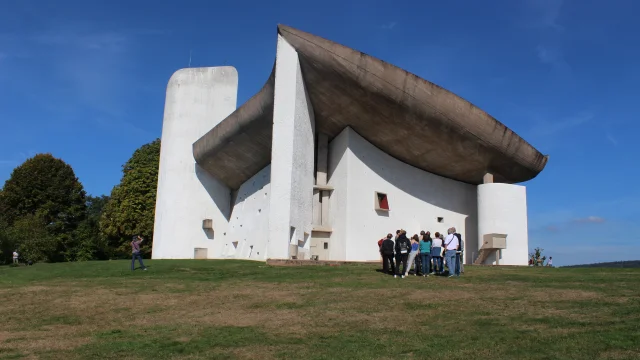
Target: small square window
440,219
326,246
381,201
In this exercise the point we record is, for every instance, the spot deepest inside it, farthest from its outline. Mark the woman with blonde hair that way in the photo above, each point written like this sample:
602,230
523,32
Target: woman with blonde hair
415,245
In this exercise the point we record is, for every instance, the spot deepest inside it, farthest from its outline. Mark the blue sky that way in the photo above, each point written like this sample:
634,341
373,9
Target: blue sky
85,80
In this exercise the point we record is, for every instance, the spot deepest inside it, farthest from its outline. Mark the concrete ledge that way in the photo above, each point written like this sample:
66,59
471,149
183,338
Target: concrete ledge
289,262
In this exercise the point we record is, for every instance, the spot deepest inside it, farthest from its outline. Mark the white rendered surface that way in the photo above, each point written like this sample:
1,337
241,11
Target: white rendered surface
502,209
292,156
248,229
357,169
197,99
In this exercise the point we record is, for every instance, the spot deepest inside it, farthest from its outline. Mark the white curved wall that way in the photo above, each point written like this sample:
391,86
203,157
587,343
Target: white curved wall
248,229
502,209
292,156
197,100
357,169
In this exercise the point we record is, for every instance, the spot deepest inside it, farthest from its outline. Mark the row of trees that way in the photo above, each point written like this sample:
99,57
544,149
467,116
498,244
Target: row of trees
46,215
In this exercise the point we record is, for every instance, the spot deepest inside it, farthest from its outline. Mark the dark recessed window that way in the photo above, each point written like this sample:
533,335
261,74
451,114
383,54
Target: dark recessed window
440,219
326,246
382,203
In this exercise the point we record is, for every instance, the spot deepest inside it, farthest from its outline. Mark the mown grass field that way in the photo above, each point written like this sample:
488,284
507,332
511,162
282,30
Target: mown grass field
247,310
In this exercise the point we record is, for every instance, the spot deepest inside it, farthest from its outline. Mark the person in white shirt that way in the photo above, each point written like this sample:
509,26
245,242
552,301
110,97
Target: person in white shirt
451,246
15,257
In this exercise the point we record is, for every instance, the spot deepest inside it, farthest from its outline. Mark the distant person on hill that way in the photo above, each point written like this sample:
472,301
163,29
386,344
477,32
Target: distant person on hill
436,254
135,251
425,253
403,246
550,262
15,257
386,250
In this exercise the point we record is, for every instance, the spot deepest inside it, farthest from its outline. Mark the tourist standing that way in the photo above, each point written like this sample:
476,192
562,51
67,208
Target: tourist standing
135,252
415,247
459,253
15,257
403,246
436,254
425,253
550,262
386,250
451,246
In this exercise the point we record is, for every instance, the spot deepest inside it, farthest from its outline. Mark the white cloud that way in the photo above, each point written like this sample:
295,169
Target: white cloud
544,14
389,26
550,128
590,219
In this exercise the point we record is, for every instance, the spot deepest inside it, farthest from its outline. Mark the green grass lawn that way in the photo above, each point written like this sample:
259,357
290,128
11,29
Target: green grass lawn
233,309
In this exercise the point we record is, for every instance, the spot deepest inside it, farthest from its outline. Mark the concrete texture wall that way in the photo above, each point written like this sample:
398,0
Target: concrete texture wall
248,229
502,209
290,215
197,99
339,216
416,199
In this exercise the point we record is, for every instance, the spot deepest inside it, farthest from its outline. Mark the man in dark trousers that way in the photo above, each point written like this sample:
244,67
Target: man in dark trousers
386,250
135,252
459,254
403,247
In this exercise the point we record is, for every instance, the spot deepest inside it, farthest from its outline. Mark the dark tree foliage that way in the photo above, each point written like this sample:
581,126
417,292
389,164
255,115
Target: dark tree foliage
131,207
42,205
90,243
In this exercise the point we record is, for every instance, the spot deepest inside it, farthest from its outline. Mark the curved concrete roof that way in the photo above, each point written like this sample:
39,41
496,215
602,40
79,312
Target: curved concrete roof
409,118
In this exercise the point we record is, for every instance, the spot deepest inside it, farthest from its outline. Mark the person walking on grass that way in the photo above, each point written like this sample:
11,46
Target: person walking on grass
436,254
403,246
15,257
386,250
415,248
451,247
425,253
550,262
135,251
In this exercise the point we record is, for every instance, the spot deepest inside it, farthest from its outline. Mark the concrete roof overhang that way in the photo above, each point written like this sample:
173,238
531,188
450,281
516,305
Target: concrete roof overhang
407,117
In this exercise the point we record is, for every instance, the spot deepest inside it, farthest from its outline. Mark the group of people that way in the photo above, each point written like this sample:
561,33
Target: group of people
423,252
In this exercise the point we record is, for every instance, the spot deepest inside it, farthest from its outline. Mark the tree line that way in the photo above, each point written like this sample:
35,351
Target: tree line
46,215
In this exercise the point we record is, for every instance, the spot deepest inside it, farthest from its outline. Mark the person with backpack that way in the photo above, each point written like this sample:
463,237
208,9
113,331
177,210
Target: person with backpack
425,254
386,250
403,247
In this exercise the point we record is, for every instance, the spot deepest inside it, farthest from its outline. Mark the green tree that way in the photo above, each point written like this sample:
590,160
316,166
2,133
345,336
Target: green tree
6,244
33,240
43,193
89,242
131,207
